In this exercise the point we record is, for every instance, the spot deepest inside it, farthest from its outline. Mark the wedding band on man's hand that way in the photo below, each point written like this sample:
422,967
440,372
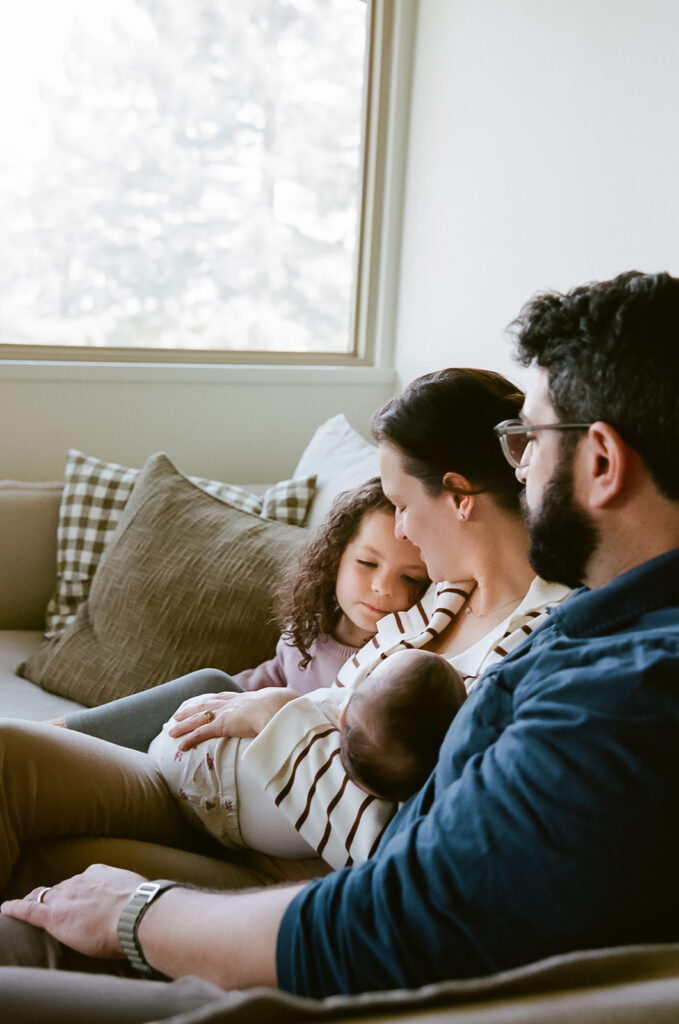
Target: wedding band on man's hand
209,716
43,892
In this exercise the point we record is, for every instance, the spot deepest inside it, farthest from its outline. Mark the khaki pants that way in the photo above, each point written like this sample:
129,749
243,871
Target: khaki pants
68,800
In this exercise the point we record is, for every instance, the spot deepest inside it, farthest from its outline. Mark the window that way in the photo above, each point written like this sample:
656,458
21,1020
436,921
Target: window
190,180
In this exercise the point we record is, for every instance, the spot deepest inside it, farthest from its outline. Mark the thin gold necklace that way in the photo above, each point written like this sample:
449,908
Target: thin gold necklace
498,608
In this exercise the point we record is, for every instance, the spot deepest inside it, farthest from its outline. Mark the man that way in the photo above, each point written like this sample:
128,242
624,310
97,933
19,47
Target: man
551,822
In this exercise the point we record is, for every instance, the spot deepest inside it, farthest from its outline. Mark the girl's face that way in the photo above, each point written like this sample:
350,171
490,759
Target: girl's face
378,573
424,519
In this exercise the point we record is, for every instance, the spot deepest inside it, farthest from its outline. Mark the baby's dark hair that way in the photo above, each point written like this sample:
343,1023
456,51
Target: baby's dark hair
307,604
392,750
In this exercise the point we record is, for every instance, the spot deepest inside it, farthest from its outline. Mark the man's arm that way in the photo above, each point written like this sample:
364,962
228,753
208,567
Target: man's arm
226,938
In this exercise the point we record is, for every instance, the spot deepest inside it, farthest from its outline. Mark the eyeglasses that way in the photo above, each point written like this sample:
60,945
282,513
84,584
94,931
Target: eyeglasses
515,437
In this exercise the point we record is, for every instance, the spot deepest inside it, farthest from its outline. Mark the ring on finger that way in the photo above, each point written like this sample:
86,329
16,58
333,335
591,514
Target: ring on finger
208,715
43,892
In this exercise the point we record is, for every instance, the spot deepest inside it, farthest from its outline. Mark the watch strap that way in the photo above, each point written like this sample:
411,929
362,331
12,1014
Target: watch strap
130,919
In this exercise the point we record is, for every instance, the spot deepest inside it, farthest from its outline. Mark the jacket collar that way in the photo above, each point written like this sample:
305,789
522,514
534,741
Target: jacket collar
647,587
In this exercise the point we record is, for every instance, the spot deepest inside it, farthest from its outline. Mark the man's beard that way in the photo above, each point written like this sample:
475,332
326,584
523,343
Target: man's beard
562,535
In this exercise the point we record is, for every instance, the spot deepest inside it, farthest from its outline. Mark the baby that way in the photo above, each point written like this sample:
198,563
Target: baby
391,728
390,731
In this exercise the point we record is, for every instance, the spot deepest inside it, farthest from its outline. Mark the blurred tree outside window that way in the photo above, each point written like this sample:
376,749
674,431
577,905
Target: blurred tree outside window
181,174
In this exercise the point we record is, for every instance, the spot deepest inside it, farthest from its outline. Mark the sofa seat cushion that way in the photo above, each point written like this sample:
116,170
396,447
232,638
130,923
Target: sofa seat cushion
20,698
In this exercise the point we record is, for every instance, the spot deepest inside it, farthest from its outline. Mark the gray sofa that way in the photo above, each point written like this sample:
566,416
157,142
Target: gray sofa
28,543
630,986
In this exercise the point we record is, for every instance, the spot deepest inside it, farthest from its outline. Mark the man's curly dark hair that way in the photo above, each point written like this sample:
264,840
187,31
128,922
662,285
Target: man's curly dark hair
611,351
307,604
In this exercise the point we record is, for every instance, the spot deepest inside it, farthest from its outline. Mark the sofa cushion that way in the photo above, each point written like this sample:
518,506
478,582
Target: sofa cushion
94,495
19,698
339,458
185,583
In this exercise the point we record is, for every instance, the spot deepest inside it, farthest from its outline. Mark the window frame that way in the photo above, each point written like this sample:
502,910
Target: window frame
388,70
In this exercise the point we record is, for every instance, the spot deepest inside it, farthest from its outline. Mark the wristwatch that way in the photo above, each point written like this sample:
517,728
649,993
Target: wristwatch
130,919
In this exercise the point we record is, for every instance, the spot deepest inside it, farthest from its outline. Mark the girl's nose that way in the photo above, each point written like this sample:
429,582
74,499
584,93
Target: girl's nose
381,584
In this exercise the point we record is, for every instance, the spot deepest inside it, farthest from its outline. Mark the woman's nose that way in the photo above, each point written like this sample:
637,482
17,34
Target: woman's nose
399,532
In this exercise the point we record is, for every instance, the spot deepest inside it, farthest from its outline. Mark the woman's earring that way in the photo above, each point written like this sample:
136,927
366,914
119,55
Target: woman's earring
460,515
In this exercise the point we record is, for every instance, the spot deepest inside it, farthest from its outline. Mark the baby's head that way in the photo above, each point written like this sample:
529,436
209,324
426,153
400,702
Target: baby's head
393,725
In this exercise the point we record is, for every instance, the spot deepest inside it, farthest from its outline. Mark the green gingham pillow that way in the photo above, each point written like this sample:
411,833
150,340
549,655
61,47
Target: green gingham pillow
95,494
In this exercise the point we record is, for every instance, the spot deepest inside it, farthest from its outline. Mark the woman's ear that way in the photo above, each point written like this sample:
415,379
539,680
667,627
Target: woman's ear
459,488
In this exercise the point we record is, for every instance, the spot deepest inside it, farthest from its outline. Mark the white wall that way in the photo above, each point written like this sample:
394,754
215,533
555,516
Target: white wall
544,152
231,424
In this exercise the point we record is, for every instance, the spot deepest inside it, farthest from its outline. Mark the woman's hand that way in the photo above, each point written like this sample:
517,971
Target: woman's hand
227,714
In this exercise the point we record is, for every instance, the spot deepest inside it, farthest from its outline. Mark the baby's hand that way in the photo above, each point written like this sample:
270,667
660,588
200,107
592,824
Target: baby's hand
227,714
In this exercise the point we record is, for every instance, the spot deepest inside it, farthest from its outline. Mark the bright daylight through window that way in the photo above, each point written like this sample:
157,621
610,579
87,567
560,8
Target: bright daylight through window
180,174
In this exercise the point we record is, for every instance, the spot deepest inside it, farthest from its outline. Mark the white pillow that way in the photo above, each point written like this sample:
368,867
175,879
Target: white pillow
339,458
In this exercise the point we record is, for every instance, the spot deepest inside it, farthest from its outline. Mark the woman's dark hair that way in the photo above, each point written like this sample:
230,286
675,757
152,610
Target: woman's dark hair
443,422
307,604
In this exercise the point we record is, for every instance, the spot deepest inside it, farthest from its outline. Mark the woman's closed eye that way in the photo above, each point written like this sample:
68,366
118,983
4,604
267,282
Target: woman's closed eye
368,565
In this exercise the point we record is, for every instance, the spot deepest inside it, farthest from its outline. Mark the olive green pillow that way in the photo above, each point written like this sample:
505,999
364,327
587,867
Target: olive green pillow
186,582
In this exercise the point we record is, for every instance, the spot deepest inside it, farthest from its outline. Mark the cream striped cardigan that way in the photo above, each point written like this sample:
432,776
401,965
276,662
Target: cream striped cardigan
296,756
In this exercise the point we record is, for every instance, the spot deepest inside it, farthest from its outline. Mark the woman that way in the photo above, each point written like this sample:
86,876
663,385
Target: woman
458,501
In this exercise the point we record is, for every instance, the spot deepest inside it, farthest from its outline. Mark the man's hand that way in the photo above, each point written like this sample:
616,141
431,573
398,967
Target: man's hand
83,911
227,714
227,938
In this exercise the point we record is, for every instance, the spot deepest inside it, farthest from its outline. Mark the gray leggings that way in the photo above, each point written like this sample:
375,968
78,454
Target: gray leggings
133,721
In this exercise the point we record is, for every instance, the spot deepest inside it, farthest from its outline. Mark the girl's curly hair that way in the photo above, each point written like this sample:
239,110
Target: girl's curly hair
307,605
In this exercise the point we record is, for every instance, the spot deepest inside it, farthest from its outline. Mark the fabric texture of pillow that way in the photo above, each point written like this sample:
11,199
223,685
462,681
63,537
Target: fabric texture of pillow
339,458
186,582
94,496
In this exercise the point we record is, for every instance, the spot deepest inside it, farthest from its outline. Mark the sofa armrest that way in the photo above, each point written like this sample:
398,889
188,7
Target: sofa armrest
28,546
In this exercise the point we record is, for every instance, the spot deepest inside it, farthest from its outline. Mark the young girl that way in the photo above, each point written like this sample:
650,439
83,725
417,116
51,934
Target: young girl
353,572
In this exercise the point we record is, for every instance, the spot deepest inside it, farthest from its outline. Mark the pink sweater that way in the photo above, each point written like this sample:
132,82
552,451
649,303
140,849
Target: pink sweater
327,657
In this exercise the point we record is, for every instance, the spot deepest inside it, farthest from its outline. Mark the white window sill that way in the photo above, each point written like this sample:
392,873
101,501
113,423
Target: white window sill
209,373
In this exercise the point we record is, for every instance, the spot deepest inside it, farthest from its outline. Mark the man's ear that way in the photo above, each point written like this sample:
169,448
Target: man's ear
607,464
458,489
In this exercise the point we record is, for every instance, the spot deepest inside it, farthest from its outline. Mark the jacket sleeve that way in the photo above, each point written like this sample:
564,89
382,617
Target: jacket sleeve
557,832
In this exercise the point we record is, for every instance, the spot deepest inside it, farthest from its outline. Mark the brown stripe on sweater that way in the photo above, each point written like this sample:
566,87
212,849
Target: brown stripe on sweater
445,611
352,831
317,777
300,757
399,622
331,807
453,590
499,650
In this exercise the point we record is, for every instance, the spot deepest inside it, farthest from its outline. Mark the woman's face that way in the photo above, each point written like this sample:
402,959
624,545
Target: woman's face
426,521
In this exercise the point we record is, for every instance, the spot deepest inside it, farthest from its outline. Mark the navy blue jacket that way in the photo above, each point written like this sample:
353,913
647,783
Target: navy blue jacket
551,822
